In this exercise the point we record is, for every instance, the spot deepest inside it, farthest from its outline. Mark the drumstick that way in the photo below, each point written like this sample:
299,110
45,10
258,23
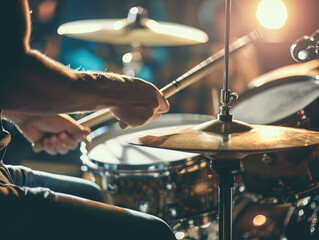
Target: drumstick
197,72
193,75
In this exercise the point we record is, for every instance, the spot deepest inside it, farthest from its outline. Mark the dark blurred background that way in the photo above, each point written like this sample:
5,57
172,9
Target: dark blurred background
162,64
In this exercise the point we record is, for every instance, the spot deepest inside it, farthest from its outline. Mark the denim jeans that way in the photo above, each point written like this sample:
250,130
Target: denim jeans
38,205
26,177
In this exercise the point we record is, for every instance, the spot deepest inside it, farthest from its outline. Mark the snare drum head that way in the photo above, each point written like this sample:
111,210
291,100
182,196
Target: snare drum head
118,151
276,100
109,146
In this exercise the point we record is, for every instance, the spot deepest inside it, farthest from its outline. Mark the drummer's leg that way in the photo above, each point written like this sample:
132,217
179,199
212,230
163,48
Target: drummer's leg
38,213
24,176
109,222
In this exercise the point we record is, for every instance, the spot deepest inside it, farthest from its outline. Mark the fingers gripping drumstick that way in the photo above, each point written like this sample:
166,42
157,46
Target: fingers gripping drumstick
193,75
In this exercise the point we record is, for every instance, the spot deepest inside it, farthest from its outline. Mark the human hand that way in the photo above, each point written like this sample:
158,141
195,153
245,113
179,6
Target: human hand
58,133
140,102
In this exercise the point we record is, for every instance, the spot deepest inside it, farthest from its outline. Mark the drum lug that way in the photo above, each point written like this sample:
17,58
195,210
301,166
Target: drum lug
170,187
269,158
279,185
172,211
143,206
112,188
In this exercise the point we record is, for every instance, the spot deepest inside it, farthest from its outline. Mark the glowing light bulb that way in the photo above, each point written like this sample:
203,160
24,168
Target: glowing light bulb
259,220
272,14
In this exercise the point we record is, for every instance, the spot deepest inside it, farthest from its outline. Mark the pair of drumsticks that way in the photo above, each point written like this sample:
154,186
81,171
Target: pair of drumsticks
191,76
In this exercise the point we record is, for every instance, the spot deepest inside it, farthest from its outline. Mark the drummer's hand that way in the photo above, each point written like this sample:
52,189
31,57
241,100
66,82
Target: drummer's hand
140,103
58,133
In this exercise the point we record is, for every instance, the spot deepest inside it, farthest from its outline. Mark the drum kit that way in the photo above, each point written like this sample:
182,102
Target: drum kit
253,178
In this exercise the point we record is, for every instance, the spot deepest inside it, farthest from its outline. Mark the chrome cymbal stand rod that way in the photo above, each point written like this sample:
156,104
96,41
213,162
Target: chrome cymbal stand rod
226,169
132,61
226,96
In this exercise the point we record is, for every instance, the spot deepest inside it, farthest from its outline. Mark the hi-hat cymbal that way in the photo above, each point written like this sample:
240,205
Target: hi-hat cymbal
120,31
226,140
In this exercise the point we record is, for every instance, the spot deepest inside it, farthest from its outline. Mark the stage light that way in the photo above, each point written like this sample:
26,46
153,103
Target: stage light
272,14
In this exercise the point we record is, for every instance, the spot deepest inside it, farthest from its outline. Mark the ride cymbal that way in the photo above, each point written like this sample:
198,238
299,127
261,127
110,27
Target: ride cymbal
226,140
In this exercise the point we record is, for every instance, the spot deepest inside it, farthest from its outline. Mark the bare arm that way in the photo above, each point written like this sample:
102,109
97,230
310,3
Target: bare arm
35,89
35,84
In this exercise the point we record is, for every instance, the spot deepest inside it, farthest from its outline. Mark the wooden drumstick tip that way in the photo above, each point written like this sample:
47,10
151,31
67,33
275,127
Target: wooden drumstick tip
88,139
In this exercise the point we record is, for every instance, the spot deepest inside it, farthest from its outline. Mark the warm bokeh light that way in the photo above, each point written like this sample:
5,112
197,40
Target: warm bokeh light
259,220
127,57
272,14
179,235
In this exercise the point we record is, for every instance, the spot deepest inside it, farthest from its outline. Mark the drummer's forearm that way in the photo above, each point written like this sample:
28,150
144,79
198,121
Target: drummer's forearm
35,84
14,117
42,85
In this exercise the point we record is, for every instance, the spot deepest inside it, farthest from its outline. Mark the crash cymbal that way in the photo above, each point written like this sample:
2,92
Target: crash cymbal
226,140
120,31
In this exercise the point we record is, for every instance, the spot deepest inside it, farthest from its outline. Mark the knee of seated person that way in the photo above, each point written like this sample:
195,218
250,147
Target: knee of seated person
162,231
93,191
155,228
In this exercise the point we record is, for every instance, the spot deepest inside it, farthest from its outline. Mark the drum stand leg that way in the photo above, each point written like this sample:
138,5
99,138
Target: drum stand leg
225,170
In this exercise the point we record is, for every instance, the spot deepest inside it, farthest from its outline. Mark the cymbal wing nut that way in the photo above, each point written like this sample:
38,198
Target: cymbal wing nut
233,96
269,159
112,188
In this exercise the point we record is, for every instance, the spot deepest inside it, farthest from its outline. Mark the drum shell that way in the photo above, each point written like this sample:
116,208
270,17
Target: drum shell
179,192
176,191
283,175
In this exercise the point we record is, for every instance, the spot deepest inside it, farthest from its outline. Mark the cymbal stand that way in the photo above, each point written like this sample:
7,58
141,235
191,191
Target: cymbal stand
226,97
225,168
132,61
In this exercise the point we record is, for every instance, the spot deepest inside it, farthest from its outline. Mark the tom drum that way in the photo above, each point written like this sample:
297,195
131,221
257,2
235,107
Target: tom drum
290,102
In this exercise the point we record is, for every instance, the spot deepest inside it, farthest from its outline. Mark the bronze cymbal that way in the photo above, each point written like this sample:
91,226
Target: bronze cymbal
226,140
120,31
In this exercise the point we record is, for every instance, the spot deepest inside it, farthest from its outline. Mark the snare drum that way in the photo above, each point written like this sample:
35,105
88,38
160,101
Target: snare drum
289,102
176,186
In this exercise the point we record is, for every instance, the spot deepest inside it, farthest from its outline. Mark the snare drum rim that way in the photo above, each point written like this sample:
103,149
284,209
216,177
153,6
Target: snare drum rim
149,168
